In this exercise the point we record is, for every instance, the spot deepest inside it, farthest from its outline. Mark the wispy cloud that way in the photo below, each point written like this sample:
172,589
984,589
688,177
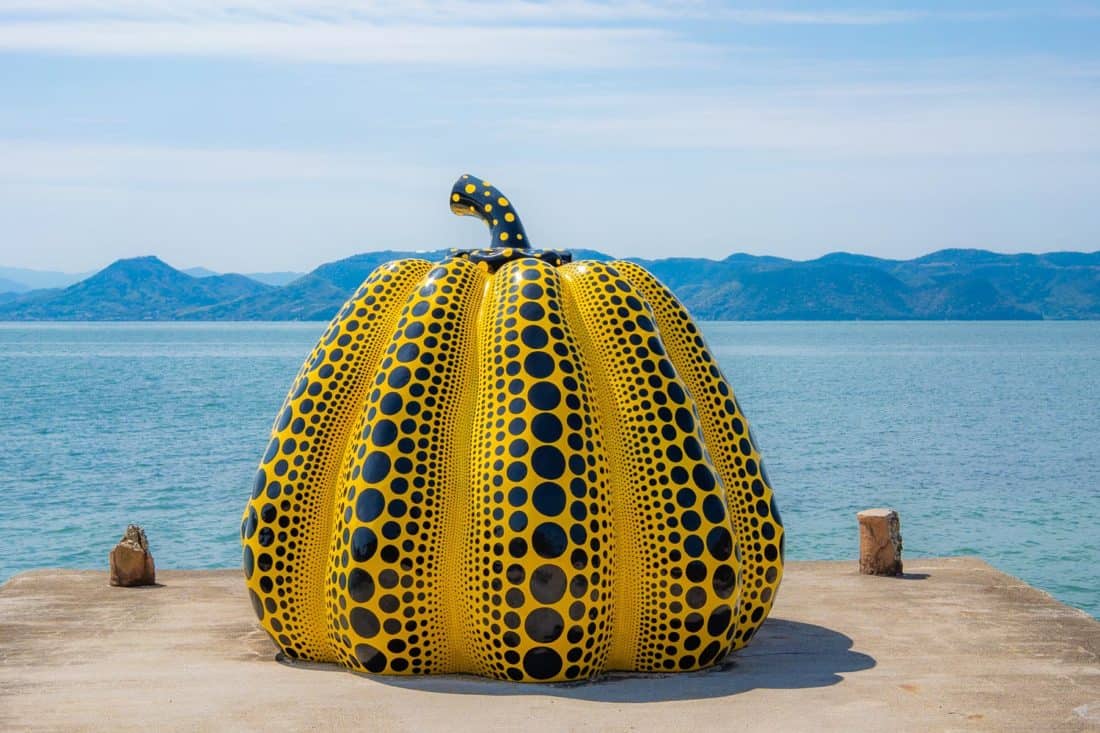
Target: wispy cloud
554,33
65,163
462,46
873,122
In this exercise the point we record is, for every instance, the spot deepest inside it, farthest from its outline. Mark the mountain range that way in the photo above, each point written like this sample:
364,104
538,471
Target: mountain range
955,284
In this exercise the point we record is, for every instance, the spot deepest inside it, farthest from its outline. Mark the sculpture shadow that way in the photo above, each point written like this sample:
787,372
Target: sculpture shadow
784,655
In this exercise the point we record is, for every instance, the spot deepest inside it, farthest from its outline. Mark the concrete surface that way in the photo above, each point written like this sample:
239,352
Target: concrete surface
953,645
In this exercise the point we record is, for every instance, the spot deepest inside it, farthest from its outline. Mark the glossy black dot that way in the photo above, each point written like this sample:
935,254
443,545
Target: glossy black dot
539,364
516,573
725,581
704,477
408,352
548,462
517,496
399,377
259,483
720,543
517,548
549,540
364,622
266,537
685,498
767,531
544,625
544,395
360,585
531,311
549,499
369,505
363,544
685,420
383,433
249,561
390,403
578,585
714,509
546,427
542,663
719,621
696,597
548,583
696,571
372,659
517,522
376,467
534,337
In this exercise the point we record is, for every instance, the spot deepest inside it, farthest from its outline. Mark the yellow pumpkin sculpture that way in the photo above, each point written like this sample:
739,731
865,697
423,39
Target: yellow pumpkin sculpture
515,466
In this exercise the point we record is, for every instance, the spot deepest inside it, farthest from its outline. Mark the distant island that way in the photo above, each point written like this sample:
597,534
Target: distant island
953,284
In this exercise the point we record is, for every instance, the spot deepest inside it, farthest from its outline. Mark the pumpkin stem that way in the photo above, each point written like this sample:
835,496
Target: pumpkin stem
471,196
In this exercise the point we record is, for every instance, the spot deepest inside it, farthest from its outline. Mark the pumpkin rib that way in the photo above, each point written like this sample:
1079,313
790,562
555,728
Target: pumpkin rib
625,521
389,538
291,546
540,582
686,552
459,519
739,464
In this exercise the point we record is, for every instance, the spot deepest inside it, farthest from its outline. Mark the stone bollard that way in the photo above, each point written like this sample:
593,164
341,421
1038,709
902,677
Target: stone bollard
879,542
131,562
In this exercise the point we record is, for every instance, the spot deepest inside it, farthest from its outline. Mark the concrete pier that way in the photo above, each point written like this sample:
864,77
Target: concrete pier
952,645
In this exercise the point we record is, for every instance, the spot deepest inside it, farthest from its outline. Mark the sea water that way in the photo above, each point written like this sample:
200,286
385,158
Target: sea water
984,436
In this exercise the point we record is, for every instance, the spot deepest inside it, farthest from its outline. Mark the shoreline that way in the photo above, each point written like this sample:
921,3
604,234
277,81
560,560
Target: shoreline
954,644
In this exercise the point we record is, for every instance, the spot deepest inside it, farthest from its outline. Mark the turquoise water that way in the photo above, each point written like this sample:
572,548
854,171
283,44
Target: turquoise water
983,435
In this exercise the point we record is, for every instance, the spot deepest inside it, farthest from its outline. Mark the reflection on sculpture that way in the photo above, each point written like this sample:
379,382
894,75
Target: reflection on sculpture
511,465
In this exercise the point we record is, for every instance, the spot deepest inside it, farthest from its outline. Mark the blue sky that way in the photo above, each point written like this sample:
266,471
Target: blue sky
279,134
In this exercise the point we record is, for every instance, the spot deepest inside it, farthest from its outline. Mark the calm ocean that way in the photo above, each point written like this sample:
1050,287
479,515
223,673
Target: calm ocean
985,436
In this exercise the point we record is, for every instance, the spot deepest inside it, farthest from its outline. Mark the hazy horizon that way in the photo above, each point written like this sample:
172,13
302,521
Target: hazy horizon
4,267
277,136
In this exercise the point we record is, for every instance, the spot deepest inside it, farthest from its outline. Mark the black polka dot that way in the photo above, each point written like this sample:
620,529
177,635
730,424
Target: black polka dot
360,585
390,404
714,509
719,620
720,543
364,622
369,505
704,477
372,659
548,583
531,311
534,337
544,395
544,625
549,499
548,462
546,427
363,544
549,540
376,467
399,377
542,663
383,433
725,581
539,364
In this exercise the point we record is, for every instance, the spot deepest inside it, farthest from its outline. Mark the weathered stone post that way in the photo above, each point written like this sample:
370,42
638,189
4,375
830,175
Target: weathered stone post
879,542
131,562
